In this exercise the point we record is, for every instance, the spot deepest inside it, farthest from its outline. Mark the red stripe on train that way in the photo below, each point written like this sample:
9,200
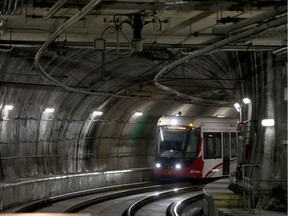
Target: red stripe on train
217,166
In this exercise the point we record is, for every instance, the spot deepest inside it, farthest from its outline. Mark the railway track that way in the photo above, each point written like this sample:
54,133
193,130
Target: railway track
125,200
150,204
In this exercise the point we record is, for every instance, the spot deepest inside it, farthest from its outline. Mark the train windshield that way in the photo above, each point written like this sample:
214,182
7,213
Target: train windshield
172,141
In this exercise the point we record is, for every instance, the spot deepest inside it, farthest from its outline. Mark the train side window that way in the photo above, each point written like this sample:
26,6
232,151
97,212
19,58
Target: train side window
212,145
208,145
233,145
226,145
217,145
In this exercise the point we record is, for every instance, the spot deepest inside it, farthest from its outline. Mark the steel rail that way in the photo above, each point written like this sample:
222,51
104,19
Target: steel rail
131,211
33,206
129,192
176,209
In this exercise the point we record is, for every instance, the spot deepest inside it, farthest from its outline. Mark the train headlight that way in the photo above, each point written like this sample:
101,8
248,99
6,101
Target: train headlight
158,165
178,166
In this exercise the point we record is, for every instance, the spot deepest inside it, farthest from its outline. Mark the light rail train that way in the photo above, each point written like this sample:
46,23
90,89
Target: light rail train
189,147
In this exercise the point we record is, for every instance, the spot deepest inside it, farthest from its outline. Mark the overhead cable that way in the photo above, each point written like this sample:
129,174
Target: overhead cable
56,7
85,10
207,49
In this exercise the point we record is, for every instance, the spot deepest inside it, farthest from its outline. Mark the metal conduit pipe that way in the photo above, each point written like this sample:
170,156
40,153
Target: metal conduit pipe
9,7
247,22
86,9
2,22
113,45
119,54
12,6
207,49
56,7
11,16
8,10
4,8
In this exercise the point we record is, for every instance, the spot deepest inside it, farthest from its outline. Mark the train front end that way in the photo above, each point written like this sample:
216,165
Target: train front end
177,148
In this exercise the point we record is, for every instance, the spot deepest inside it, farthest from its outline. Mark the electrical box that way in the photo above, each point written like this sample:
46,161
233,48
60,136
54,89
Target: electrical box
99,44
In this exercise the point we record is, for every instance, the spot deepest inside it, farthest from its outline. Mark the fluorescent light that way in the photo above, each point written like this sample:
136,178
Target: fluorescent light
8,107
138,113
97,113
237,105
49,110
268,122
246,101
220,116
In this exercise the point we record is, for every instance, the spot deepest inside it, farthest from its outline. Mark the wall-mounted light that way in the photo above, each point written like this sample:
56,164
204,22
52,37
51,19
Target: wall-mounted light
49,110
8,107
237,106
138,113
47,114
5,112
97,113
246,101
267,122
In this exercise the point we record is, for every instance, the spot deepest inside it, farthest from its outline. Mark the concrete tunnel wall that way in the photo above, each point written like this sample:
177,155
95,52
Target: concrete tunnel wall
269,144
33,145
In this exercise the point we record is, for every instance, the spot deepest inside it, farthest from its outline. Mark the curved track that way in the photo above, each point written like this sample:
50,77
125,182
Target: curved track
127,200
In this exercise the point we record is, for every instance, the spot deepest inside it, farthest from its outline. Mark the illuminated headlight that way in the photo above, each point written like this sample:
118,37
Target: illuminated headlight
158,165
178,166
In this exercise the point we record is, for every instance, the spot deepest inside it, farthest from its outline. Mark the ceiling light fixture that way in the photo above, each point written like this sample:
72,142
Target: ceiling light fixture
8,107
246,101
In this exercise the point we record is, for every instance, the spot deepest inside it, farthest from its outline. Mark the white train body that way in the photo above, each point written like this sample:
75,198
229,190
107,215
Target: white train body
189,147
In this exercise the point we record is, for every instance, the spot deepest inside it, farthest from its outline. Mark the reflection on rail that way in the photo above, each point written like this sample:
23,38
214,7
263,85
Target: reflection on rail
131,211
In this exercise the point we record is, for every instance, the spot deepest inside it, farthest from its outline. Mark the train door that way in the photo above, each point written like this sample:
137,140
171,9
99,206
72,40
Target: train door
226,154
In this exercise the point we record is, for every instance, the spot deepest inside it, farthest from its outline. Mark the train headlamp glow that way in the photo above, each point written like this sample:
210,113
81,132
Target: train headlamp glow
158,165
190,124
178,166
174,122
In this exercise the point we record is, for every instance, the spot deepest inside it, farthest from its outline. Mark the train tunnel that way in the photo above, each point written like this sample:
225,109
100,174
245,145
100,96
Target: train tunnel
70,92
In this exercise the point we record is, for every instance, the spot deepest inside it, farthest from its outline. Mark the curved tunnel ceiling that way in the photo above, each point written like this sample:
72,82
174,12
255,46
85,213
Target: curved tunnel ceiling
218,76
80,59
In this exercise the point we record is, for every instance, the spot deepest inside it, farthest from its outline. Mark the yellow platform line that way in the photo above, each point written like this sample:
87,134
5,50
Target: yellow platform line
226,197
227,201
